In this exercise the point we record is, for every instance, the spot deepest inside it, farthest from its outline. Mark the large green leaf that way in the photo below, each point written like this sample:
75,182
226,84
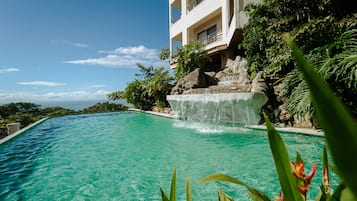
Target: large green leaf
282,161
188,190
163,195
338,125
223,196
226,178
173,186
336,196
347,195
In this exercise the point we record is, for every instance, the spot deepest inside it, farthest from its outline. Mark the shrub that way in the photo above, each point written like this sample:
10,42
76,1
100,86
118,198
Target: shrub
149,88
189,57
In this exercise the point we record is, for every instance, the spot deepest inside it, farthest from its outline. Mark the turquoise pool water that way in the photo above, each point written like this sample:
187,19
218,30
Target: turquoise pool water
129,156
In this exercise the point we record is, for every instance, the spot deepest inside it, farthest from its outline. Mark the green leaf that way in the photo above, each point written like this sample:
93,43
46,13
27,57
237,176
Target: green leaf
223,196
254,197
282,163
334,169
347,195
320,195
339,128
336,196
298,157
326,186
163,195
173,186
324,193
188,190
226,178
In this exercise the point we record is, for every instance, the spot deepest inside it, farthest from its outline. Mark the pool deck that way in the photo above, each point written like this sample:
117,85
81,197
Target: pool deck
17,133
305,131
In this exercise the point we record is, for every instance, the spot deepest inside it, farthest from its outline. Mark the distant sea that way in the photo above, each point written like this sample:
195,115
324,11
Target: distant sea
76,105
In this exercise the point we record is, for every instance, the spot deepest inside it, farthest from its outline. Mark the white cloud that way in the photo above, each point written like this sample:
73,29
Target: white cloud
97,86
7,96
124,57
103,92
9,70
41,83
70,43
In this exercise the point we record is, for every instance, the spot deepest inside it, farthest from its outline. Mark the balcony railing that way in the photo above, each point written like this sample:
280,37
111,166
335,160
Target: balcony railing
193,4
211,38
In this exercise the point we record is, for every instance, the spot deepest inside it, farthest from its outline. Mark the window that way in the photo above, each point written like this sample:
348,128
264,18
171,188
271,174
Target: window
212,30
207,36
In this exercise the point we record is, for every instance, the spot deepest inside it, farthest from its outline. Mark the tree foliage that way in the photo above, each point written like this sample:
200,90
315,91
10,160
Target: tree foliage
322,30
104,107
164,54
148,89
189,57
19,108
26,113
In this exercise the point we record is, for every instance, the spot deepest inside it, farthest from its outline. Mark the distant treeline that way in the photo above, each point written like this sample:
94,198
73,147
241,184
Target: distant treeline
27,113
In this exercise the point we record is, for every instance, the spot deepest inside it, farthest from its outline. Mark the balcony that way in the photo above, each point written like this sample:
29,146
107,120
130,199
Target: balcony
211,38
192,4
175,18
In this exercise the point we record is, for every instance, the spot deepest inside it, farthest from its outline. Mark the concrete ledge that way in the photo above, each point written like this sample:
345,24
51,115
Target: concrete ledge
151,112
9,137
304,131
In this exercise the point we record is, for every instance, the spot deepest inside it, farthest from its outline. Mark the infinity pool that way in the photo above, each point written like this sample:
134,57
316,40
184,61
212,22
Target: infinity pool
129,156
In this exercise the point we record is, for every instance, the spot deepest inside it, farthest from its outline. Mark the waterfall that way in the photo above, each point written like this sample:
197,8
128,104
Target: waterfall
241,107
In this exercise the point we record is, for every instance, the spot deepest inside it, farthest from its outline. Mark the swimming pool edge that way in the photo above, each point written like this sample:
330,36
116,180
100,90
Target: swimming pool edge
152,113
17,133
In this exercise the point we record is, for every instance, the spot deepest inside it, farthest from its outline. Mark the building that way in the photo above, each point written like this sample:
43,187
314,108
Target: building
215,23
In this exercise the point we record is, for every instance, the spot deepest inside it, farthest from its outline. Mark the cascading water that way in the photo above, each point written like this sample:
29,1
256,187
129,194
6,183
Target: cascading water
234,98
241,107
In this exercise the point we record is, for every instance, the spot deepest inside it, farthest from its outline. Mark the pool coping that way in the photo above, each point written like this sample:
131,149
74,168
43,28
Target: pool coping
17,133
304,131
151,112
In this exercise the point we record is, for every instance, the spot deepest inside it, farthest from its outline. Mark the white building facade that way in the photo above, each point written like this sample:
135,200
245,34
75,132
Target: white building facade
215,23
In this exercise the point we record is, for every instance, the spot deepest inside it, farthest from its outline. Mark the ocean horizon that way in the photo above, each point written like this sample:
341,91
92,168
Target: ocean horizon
77,104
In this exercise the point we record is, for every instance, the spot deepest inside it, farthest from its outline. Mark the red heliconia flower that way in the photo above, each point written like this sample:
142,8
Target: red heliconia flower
298,168
312,173
280,197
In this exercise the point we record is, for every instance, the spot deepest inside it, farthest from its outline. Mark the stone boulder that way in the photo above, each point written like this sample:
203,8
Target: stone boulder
196,79
235,74
235,65
258,83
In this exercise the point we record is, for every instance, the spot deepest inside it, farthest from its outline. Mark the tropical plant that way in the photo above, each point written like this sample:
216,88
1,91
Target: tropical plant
189,57
340,133
148,89
164,54
338,69
320,29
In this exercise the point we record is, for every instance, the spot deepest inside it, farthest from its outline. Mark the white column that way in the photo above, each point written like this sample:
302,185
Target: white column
225,20
184,8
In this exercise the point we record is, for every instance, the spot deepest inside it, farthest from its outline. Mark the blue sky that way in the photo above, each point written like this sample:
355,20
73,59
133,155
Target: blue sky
77,49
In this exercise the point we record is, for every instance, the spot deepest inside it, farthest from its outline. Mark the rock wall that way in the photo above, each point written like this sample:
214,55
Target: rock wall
233,78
